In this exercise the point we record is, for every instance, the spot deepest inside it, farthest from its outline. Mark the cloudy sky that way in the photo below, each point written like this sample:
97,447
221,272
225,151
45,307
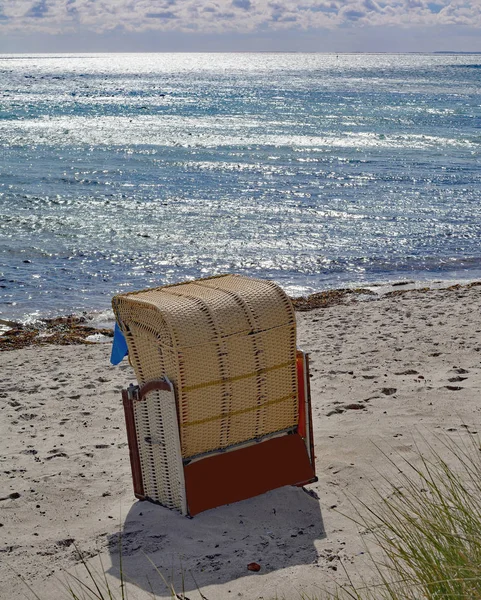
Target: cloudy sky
241,25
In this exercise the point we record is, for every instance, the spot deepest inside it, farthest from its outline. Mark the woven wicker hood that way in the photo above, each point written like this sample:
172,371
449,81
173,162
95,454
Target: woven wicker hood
228,344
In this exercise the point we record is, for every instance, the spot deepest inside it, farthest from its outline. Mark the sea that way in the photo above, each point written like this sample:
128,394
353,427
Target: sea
120,172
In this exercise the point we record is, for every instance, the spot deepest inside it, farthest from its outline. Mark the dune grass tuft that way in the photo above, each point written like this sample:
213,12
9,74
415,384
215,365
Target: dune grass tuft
428,526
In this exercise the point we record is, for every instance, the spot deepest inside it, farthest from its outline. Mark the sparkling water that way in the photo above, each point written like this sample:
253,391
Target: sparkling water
125,171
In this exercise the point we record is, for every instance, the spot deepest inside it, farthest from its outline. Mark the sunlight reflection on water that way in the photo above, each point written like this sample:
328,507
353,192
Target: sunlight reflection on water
126,171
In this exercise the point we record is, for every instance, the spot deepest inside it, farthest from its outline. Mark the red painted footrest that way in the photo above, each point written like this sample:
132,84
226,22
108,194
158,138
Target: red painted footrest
247,472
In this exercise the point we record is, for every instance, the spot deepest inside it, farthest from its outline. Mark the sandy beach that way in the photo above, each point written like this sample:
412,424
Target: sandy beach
385,372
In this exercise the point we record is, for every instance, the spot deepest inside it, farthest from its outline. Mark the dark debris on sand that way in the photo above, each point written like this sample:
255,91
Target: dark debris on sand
64,331
333,297
328,298
451,288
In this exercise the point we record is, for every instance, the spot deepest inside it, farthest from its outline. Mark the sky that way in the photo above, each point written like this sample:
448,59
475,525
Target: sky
239,25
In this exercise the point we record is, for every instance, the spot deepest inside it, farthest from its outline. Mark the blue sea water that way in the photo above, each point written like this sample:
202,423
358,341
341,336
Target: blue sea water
125,171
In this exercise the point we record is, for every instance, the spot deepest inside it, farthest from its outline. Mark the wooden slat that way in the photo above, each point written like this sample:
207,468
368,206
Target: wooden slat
133,447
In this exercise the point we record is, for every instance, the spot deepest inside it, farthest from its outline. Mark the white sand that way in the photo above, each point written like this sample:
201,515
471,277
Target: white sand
383,365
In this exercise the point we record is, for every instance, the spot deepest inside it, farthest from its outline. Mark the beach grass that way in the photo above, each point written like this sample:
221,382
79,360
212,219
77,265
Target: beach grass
428,526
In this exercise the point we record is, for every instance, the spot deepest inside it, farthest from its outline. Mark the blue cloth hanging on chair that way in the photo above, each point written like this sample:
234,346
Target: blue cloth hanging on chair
119,346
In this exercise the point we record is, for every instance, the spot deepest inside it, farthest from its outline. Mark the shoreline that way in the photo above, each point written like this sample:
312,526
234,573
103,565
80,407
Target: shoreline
103,314
81,329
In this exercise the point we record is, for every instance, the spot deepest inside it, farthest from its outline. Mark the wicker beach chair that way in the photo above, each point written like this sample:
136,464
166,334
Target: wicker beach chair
222,409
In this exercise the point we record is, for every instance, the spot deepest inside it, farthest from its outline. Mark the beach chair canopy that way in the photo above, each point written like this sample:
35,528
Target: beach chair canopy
228,345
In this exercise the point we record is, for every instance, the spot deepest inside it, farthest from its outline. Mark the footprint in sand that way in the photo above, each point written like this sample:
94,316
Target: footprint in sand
55,453
65,543
354,406
335,411
338,410
388,391
28,416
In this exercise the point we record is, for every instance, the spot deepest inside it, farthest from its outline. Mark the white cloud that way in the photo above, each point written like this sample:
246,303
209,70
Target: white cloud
223,16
